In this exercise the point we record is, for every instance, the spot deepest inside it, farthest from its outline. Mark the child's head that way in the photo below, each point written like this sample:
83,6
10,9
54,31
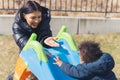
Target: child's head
89,51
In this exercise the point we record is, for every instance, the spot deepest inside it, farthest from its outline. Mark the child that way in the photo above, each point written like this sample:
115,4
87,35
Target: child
95,65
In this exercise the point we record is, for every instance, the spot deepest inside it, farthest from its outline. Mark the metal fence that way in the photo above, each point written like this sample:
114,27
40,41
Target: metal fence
96,6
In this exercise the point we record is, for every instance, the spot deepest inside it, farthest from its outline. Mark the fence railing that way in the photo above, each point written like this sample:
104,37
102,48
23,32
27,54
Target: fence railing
96,6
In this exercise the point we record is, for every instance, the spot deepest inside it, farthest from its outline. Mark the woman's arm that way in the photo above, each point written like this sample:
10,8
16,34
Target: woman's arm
19,36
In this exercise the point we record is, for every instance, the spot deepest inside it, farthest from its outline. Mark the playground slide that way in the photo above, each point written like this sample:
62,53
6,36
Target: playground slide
35,61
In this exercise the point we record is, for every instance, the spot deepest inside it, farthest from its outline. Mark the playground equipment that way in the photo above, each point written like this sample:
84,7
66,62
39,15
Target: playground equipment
33,59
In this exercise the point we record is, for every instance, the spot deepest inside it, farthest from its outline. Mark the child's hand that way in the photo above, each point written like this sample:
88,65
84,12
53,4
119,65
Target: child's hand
58,61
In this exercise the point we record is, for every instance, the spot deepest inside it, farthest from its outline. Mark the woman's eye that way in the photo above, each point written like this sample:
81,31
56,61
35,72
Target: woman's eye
39,16
33,17
36,17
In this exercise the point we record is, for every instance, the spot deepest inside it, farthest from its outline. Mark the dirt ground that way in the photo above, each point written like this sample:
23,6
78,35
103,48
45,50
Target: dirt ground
9,50
8,56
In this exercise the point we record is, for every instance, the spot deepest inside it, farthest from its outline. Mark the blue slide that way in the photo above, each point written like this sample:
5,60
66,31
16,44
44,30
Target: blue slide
34,55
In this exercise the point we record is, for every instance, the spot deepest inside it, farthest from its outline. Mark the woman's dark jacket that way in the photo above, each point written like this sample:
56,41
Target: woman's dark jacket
98,70
22,31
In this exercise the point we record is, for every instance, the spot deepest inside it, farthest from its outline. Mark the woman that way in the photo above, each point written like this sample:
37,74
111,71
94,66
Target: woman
33,18
95,65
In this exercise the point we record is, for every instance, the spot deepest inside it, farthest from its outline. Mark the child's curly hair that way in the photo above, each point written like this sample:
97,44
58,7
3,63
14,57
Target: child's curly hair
89,51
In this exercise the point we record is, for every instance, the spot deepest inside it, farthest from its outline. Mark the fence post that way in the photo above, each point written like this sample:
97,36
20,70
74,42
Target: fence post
106,8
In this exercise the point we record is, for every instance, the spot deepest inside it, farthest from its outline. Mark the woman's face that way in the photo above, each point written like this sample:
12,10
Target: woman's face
33,19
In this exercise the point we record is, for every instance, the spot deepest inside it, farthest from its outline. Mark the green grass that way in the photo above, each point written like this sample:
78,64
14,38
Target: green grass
108,42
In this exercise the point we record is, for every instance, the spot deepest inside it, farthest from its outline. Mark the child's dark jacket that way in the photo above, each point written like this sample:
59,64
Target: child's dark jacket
98,70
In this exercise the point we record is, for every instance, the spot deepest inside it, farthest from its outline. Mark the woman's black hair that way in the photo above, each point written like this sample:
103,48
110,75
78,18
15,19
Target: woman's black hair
30,6
89,51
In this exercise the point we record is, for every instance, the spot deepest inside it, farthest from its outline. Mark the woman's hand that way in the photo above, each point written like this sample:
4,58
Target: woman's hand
58,61
50,41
